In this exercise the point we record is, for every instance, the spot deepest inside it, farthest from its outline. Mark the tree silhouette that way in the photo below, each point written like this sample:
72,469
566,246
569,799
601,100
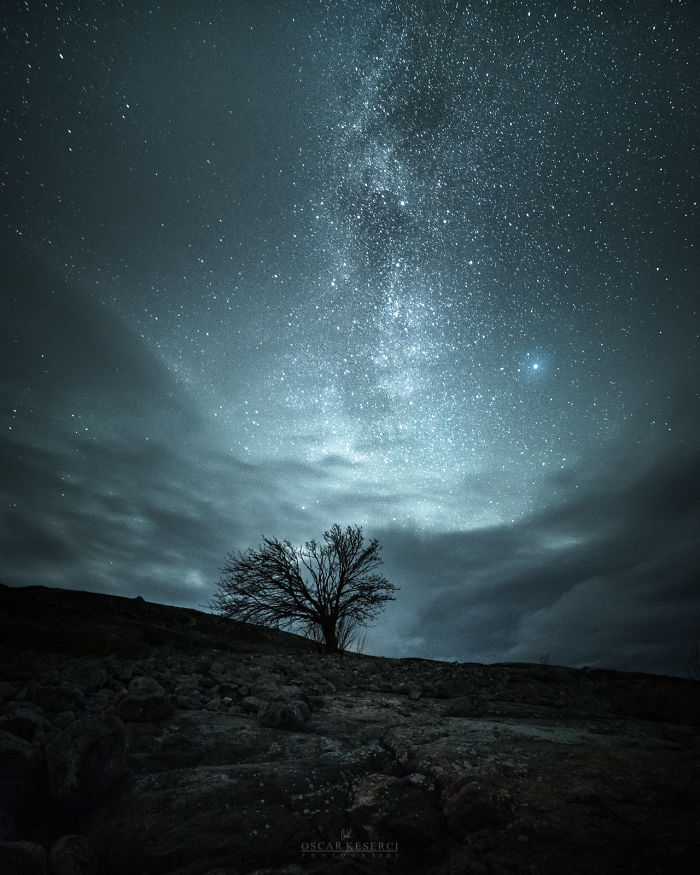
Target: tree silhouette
326,589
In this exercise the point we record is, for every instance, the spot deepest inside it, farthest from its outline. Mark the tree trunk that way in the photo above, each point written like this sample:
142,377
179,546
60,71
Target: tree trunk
330,636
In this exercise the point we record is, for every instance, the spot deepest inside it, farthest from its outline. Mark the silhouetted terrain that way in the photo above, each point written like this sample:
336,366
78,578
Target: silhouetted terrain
141,738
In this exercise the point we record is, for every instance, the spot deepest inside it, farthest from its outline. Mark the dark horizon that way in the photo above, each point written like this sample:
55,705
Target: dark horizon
427,268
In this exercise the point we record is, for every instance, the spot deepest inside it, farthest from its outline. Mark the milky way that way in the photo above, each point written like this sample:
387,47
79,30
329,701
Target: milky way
487,216
426,267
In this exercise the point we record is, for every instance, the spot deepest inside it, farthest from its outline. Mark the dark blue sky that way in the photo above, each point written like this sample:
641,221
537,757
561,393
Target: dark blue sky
426,267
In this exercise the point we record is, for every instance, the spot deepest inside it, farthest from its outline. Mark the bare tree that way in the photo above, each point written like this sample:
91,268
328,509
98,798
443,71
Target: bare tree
328,590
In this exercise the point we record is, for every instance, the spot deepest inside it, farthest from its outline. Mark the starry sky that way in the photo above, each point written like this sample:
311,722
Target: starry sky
427,267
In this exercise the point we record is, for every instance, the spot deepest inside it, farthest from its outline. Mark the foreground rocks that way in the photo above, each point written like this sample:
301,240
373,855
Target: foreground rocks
203,747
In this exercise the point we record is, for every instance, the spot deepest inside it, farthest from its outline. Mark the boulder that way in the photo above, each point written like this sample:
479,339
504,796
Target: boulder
103,700
390,809
65,718
21,770
73,855
145,701
56,698
84,759
89,675
251,704
187,703
22,858
227,690
6,692
468,808
242,815
7,825
284,715
25,720
503,768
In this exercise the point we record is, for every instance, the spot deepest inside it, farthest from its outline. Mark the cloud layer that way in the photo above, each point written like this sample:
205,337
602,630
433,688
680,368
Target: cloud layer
606,575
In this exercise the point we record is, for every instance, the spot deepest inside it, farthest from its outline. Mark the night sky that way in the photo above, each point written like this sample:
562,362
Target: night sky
427,267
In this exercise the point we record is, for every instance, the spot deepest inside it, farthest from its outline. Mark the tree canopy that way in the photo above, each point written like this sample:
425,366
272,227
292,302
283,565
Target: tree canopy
327,589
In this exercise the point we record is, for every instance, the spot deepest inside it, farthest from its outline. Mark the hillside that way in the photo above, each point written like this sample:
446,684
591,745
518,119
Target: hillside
142,738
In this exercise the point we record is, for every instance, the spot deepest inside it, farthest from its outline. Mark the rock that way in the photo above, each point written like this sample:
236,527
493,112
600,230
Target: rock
201,738
145,701
73,855
221,672
187,703
21,770
65,718
228,691
89,675
369,790
84,759
598,770
417,779
25,720
251,704
22,858
103,700
145,686
284,715
237,815
201,665
468,808
441,690
7,825
6,692
397,810
63,697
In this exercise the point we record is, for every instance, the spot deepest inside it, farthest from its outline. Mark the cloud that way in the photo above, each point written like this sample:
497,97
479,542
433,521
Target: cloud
606,576
112,478
115,480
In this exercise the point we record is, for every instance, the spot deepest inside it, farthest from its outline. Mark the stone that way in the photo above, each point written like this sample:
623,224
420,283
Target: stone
102,700
146,701
62,697
73,855
6,692
469,808
441,690
251,704
22,858
65,718
85,758
25,720
397,810
284,715
598,770
89,675
21,771
187,703
229,691
7,825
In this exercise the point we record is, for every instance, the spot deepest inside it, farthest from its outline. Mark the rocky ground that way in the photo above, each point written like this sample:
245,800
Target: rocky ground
139,738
